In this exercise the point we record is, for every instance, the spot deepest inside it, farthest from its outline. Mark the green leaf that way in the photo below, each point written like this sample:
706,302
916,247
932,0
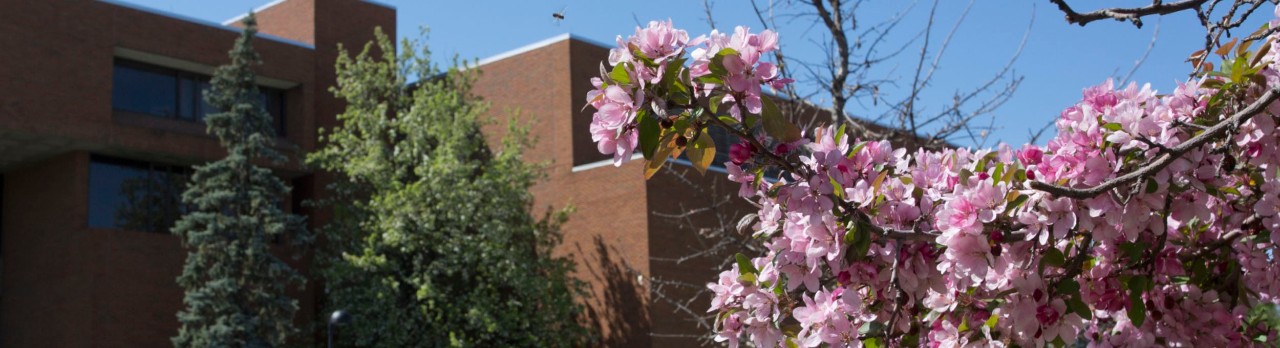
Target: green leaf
1137,309
851,236
1053,257
875,184
747,277
1152,186
856,148
871,328
715,102
660,156
710,79
840,132
726,52
1133,250
619,75
1267,314
1018,201
859,240
999,175
1080,308
1140,283
744,264
717,66
872,342
729,120
702,151
1114,127
991,321
775,125
965,174
650,134
1069,287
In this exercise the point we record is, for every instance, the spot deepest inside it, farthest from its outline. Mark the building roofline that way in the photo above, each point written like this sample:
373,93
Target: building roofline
602,163
379,3
172,15
258,9
277,2
569,36
536,45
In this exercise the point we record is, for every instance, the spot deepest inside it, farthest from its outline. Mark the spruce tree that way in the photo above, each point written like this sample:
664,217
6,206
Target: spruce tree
235,286
434,243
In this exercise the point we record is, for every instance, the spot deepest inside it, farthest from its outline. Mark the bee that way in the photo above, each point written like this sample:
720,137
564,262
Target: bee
558,16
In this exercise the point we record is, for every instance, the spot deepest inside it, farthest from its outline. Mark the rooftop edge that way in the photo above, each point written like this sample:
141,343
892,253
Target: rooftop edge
194,20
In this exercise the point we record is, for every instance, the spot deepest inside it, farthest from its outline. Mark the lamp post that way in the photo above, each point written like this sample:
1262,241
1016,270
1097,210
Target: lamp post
338,318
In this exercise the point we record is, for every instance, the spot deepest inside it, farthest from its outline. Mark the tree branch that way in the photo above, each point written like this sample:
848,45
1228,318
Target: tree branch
1168,157
1133,15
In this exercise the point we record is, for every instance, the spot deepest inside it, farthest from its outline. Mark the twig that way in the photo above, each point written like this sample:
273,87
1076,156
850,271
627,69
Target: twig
897,289
1137,64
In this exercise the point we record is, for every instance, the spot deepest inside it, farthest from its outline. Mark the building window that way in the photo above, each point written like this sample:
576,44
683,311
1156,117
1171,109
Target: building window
134,195
146,89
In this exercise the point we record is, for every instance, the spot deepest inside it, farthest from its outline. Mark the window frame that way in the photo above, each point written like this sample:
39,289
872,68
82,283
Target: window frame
196,104
152,170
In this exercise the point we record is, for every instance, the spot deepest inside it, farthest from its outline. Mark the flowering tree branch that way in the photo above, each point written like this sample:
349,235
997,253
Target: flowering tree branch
1167,157
973,247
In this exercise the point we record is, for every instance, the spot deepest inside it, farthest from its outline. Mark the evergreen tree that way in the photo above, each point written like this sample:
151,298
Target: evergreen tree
235,286
433,243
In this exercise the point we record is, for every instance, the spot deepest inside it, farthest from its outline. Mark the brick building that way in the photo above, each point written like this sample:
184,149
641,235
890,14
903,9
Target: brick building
102,108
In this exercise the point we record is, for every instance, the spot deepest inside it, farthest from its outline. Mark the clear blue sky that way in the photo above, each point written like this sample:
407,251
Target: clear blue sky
1058,61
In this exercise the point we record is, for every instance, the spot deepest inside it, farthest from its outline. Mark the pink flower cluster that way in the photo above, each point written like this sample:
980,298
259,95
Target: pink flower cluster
646,57
956,248
744,71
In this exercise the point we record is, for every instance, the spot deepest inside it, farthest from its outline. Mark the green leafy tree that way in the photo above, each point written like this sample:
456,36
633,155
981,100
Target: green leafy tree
235,286
433,242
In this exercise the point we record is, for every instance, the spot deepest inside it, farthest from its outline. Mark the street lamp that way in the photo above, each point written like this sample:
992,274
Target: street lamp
338,318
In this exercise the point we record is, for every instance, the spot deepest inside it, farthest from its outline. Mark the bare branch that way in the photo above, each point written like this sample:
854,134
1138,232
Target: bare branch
706,6
834,20
1133,15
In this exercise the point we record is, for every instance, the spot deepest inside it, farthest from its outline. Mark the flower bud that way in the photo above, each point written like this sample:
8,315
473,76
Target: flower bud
741,153
666,122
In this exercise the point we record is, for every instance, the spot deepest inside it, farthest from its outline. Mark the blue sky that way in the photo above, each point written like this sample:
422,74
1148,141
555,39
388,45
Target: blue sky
1058,61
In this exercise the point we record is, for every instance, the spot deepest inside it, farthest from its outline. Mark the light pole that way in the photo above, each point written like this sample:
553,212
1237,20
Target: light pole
338,318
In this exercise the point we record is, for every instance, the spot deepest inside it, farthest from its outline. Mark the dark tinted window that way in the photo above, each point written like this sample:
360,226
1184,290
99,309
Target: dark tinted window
163,92
144,90
273,100
133,195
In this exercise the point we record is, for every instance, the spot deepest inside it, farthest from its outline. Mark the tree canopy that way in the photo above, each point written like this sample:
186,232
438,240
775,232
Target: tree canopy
434,242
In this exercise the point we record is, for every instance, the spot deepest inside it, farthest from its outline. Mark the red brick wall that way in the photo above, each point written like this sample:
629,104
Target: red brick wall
48,296
607,234
293,20
66,284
